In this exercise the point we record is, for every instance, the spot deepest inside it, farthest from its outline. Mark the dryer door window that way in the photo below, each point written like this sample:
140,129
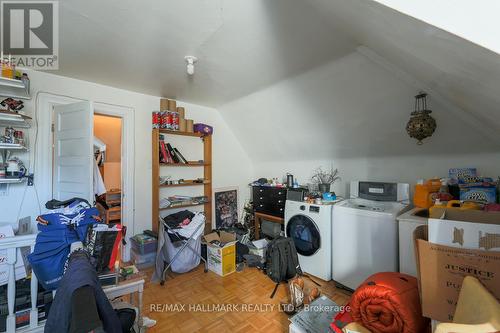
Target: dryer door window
305,234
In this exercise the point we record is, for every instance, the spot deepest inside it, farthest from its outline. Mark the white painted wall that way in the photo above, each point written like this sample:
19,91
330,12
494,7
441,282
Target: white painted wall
406,169
476,21
352,112
231,164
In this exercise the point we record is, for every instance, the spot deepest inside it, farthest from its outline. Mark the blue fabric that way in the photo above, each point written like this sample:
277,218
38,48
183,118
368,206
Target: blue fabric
53,244
78,274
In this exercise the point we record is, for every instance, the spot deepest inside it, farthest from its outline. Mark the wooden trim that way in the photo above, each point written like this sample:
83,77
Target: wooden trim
207,174
189,164
155,174
270,218
195,134
185,184
184,206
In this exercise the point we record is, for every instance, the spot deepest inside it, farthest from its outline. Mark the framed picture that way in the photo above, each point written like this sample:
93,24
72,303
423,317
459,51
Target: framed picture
225,207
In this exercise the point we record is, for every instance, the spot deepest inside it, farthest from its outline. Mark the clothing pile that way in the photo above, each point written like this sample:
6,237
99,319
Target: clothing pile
68,305
70,221
184,223
67,223
178,229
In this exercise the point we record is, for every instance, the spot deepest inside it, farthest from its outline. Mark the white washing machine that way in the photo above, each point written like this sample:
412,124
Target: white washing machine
365,231
310,227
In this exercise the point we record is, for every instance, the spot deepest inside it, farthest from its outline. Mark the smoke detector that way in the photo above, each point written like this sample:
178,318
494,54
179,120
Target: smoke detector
191,60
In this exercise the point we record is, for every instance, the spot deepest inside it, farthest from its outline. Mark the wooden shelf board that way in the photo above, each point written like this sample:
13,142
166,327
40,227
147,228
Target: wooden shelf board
185,184
184,206
199,135
189,164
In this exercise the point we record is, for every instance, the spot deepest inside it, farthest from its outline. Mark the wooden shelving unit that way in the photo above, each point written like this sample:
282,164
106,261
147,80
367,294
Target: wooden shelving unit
207,175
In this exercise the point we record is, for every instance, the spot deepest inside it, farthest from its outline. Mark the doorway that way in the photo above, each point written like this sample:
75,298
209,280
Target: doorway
44,162
108,132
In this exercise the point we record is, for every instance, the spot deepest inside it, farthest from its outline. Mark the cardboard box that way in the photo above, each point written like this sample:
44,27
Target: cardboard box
485,194
466,229
441,269
221,259
457,173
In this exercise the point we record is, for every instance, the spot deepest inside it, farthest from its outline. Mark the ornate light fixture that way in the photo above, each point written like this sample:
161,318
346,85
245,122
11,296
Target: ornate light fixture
421,125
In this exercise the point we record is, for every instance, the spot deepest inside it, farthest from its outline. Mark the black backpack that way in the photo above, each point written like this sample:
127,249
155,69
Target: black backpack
282,262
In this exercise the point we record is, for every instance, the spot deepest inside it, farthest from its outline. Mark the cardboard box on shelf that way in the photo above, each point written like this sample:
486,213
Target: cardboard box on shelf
486,194
221,257
441,269
163,104
466,229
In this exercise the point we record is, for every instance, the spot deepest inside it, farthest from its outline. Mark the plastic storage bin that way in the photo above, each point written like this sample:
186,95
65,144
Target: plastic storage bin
143,261
144,244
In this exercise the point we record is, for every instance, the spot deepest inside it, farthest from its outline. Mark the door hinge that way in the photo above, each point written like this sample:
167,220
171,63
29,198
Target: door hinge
53,128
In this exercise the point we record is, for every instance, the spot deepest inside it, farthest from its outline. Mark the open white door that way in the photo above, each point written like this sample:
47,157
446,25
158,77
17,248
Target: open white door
73,155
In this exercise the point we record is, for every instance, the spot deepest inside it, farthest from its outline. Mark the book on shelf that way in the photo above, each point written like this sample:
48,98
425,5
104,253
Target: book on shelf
169,154
172,153
180,156
164,158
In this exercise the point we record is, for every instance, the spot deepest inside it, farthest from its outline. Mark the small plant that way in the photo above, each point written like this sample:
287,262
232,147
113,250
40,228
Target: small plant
325,177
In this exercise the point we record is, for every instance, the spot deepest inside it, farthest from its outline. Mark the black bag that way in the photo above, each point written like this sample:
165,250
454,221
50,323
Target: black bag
282,262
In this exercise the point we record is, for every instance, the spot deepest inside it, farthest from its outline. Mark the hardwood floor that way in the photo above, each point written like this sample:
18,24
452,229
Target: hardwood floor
188,302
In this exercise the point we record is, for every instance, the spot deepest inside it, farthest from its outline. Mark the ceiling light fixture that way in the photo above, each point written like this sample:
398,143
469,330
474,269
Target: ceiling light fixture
421,124
190,64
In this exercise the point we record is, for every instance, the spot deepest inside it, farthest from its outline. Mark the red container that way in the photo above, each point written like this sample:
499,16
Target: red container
170,120
175,121
156,120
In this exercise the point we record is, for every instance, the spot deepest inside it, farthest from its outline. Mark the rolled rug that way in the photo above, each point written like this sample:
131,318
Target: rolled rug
389,303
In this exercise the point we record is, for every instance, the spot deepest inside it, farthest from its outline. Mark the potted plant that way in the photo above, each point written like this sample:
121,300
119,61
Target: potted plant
325,179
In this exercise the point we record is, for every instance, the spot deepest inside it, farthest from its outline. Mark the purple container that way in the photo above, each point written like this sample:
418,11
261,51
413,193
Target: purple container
202,128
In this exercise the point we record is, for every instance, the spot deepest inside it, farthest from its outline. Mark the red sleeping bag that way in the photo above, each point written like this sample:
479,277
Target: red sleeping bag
389,303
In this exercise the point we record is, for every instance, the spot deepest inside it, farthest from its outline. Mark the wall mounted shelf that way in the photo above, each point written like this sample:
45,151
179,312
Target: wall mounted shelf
11,118
12,146
13,88
11,180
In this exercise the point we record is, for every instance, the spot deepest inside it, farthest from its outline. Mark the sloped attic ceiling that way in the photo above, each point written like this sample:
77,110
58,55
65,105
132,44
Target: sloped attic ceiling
357,106
462,72
242,45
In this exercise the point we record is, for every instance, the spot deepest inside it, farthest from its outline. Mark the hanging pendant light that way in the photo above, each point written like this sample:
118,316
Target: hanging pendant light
421,125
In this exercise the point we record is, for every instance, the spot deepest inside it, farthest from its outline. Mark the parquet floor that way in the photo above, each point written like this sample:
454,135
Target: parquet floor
204,302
